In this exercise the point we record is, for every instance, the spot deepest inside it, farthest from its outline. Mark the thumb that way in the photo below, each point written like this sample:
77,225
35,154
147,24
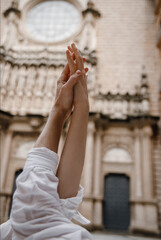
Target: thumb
74,78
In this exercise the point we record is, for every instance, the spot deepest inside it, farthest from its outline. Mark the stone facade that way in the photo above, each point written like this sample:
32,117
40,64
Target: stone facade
157,138
118,39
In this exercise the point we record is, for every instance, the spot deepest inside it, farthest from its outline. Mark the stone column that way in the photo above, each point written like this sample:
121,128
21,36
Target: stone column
138,168
88,167
5,157
97,167
144,208
5,79
147,163
97,213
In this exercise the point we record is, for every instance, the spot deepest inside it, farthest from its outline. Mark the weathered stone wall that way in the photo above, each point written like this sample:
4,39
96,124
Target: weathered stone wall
126,35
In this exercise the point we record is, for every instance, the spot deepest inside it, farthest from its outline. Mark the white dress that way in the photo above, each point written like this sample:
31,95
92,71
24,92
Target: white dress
37,211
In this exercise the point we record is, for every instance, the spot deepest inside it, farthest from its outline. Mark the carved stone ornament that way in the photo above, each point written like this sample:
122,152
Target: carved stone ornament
11,34
36,122
88,36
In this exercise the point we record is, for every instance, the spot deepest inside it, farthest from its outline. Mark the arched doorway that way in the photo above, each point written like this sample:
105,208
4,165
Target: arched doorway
116,209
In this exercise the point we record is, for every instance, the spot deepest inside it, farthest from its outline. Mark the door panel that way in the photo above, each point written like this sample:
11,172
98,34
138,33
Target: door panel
116,210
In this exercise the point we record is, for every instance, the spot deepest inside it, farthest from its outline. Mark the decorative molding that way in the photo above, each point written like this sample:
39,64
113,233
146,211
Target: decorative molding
44,56
29,77
91,9
13,8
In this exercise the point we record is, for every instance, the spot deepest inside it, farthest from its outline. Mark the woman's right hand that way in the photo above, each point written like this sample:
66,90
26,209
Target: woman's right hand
76,62
65,92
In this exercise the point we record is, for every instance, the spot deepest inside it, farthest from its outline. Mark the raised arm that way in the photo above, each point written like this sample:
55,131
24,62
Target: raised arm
50,135
72,158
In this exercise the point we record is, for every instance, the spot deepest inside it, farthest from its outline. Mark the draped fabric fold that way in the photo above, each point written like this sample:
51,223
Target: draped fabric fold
37,211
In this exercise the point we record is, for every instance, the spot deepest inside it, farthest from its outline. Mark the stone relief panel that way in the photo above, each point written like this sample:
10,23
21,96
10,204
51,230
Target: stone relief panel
117,155
118,144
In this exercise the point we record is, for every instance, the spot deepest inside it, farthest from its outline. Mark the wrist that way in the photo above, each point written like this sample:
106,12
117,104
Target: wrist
82,106
58,113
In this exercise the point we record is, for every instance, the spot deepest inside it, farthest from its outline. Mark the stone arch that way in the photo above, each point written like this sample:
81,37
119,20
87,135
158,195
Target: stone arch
117,154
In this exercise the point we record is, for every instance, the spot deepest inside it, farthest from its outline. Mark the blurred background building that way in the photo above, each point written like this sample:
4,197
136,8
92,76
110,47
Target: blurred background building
121,40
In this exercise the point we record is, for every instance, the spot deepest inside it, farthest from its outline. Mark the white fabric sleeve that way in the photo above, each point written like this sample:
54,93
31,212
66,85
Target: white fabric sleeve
36,203
68,205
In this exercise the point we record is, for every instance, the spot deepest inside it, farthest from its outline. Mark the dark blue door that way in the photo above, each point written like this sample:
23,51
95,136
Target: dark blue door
116,209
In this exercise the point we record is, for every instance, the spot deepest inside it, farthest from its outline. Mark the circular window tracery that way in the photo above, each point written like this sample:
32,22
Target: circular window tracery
52,21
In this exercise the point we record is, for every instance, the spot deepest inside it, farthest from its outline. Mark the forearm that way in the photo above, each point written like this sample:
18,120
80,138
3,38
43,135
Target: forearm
72,158
51,133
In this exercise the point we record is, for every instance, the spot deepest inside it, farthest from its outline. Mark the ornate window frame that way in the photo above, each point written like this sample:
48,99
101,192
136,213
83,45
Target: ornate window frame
23,27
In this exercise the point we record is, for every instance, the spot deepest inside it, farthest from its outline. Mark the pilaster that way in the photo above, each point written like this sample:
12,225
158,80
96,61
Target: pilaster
5,157
97,213
144,206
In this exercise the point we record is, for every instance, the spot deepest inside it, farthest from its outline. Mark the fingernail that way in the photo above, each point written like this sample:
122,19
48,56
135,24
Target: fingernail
78,72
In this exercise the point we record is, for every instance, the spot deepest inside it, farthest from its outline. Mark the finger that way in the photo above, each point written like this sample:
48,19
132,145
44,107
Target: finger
73,56
64,74
72,66
86,70
73,79
78,57
70,49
